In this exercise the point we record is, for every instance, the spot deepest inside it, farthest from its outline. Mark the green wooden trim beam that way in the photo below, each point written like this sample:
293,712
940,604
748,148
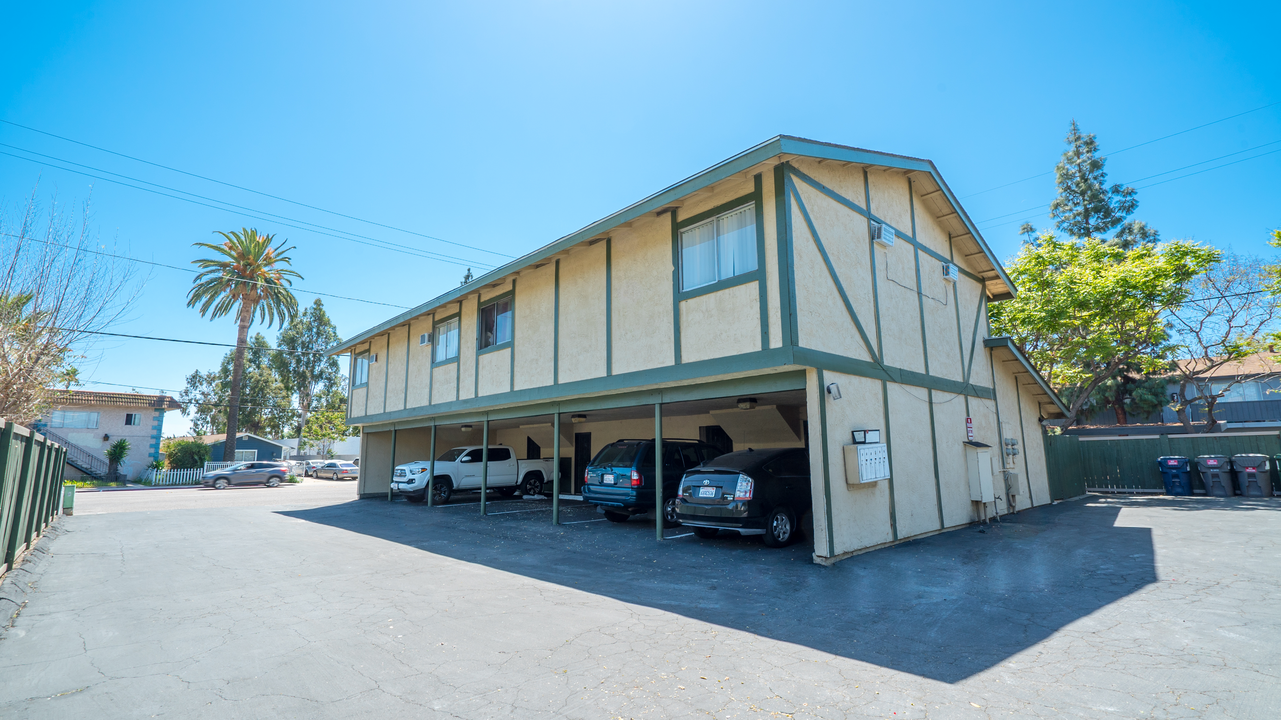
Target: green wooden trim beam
409,338
934,451
431,467
556,466
831,271
1027,474
827,464
676,288
920,296
889,452
511,369
658,472
786,268
864,368
556,329
484,465
609,306
762,288
974,334
871,256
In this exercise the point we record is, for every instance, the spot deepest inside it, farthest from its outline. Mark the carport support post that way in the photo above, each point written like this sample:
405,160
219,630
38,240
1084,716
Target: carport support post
431,467
484,465
556,467
658,471
392,479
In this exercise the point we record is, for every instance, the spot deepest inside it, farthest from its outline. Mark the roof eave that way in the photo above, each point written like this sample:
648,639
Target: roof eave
1008,343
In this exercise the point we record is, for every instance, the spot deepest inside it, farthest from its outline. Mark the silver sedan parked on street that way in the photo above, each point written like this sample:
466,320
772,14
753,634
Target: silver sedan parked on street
338,470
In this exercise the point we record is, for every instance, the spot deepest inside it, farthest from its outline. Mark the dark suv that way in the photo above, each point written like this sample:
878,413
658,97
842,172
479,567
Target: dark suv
620,479
752,492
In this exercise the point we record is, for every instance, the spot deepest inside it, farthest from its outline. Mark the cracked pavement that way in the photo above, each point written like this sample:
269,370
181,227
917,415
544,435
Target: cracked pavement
302,602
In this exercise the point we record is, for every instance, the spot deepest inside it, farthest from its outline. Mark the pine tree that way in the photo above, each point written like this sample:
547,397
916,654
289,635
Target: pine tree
1086,207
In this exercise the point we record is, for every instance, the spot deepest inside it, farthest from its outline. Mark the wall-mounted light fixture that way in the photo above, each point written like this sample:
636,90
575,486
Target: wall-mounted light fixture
747,403
466,428
578,418
105,437
834,390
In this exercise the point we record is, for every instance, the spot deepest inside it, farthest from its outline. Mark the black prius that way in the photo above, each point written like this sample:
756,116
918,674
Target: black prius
752,492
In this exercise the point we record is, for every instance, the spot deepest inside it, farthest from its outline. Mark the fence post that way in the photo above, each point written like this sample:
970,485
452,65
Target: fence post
22,501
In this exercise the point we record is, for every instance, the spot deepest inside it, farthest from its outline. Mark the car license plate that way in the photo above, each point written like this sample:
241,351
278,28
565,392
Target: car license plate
607,479
708,492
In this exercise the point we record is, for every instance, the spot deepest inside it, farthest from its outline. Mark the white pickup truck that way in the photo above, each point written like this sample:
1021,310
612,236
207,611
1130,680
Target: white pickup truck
460,469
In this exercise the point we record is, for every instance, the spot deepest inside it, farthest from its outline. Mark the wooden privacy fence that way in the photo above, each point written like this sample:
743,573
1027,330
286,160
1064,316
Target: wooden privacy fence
1077,463
30,489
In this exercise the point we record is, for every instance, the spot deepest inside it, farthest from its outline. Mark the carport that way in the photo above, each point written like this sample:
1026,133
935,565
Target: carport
760,412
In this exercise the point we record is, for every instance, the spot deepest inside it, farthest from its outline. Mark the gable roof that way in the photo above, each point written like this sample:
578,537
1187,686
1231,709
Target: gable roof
934,190
1047,400
119,399
1258,364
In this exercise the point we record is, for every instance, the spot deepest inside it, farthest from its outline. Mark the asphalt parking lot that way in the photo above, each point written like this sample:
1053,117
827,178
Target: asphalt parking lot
303,602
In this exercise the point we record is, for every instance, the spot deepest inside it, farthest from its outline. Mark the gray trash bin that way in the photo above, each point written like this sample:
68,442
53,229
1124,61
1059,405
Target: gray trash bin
1252,476
1216,474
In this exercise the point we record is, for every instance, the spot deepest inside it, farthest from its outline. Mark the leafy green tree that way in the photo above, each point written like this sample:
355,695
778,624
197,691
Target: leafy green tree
1085,206
246,276
184,454
306,370
1131,393
1086,310
116,454
264,403
324,428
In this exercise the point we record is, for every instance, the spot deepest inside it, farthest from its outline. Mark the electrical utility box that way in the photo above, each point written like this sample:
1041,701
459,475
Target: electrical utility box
978,461
866,463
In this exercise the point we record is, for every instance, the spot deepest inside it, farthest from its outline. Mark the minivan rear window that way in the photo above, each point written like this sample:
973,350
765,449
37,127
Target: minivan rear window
617,454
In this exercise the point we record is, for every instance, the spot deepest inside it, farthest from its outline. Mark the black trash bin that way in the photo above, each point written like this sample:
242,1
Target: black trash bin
1216,474
1176,473
1252,476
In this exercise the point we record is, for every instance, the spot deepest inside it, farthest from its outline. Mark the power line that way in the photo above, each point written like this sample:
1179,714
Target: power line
1149,177
191,270
191,402
1132,147
250,190
386,245
188,342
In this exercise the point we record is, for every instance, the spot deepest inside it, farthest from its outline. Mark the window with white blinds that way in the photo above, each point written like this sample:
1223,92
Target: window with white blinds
719,249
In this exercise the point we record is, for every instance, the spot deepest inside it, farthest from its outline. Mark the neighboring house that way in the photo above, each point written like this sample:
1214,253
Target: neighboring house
248,447
1255,398
348,449
89,422
783,298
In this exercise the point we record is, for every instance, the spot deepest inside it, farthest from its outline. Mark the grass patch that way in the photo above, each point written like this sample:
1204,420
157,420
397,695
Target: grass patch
92,483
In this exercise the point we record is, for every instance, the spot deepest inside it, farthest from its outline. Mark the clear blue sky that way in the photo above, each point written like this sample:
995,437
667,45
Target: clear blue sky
507,125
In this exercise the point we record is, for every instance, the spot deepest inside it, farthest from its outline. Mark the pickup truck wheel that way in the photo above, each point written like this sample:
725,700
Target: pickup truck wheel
616,516
443,490
532,484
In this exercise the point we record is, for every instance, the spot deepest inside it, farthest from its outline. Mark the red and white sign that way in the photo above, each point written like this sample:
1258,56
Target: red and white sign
969,429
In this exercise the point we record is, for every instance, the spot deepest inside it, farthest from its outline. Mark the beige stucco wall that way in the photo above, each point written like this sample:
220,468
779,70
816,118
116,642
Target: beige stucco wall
535,326
419,362
396,366
495,371
722,323
773,279
641,260
582,313
466,366
444,383
375,463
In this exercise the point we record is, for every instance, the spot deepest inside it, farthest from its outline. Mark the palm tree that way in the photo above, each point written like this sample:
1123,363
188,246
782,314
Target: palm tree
246,276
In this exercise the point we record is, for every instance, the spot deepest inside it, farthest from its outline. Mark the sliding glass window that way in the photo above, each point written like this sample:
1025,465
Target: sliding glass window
719,249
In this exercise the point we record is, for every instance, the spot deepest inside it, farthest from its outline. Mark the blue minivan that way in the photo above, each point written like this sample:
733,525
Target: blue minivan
620,479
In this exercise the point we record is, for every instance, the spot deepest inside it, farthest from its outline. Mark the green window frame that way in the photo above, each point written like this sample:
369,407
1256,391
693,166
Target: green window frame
710,218
441,346
360,370
496,333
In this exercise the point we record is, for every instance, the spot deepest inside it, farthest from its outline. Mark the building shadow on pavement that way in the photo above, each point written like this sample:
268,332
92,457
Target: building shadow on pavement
944,607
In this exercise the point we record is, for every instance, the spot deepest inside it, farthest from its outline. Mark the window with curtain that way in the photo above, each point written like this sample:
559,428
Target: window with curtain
446,339
721,248
73,419
361,376
496,323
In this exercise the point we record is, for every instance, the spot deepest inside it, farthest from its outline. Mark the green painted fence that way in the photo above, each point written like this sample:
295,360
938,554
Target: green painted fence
30,489
1077,463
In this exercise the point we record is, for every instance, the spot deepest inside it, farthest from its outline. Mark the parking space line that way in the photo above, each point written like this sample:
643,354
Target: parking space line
576,522
673,537
509,512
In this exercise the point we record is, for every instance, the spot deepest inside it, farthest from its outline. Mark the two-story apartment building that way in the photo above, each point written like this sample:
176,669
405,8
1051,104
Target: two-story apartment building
88,422
785,297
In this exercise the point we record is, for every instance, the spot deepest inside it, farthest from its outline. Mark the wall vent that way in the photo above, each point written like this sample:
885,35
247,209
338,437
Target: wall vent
951,273
883,234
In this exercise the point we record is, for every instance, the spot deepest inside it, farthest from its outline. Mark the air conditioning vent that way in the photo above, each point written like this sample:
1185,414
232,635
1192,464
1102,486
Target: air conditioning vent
883,234
424,339
373,357
951,273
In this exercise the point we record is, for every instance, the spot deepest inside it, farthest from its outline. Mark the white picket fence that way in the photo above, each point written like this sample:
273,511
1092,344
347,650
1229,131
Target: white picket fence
189,476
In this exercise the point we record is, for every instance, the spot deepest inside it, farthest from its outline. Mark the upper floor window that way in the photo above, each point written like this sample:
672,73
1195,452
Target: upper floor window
718,249
133,418
360,376
446,339
496,323
73,419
